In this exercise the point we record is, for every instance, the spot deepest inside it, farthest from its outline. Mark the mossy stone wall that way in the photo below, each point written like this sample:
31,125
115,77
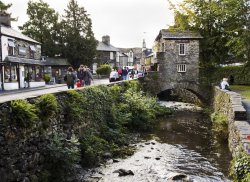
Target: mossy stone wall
230,104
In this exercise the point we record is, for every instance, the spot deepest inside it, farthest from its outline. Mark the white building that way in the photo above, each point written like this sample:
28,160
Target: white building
20,60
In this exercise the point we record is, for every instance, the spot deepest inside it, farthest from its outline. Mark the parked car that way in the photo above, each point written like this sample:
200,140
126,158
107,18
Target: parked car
140,74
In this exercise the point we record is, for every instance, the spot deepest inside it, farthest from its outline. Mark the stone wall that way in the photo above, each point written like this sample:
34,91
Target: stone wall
26,45
168,63
22,149
230,104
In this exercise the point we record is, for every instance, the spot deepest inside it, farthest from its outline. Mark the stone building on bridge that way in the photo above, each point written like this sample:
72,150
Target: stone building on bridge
178,61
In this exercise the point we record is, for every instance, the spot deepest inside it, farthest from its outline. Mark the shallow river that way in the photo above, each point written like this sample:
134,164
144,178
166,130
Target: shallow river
183,143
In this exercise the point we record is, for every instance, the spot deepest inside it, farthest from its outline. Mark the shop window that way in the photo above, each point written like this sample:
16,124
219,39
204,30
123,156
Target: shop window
11,48
6,73
10,73
181,68
39,73
14,73
34,73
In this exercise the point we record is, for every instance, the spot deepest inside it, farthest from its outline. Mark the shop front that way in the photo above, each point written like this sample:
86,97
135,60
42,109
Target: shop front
22,73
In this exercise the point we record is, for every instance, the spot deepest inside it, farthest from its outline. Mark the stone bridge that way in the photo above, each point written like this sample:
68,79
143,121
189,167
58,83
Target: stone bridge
188,90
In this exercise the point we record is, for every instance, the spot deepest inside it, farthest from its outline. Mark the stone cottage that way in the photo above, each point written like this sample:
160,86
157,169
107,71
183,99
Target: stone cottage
178,56
106,53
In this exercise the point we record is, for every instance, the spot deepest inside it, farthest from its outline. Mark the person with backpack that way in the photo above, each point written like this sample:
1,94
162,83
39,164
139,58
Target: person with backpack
70,78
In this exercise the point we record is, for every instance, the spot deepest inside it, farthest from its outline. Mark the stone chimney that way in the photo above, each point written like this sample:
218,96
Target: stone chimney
106,39
5,19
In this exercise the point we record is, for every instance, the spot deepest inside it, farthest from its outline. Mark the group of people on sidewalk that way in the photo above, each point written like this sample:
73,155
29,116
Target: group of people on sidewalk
81,77
121,74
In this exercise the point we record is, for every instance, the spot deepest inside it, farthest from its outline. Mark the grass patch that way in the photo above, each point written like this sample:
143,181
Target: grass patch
244,90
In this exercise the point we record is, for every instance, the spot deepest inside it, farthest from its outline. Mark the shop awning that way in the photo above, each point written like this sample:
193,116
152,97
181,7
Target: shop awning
22,60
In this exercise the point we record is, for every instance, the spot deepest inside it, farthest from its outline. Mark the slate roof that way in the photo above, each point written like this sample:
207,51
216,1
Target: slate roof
22,60
106,47
147,52
136,50
56,62
8,31
175,34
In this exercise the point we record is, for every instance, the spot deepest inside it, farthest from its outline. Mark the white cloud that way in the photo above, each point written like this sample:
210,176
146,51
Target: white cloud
125,21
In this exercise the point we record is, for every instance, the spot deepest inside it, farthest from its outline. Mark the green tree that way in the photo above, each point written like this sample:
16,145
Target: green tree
237,27
42,26
80,44
224,24
4,7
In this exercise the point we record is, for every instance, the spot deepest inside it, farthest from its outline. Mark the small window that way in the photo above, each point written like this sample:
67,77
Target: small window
111,55
11,48
182,49
181,68
162,47
32,51
32,48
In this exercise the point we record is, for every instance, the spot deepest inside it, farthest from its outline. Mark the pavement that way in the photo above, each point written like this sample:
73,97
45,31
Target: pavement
26,93
246,104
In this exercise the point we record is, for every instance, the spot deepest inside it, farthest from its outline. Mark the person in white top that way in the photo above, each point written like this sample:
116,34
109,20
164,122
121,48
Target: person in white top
113,76
224,84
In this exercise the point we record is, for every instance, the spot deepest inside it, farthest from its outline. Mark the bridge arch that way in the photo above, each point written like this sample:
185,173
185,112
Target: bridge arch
154,83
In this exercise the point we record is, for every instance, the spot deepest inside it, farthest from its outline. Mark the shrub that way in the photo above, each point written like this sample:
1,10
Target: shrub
46,78
104,69
75,107
220,125
47,106
93,149
143,109
60,157
240,167
23,113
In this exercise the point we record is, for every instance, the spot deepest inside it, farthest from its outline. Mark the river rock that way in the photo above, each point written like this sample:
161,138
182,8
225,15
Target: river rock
172,176
123,172
116,160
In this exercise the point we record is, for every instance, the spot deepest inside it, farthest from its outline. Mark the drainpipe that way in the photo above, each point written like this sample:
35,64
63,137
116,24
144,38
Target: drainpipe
1,57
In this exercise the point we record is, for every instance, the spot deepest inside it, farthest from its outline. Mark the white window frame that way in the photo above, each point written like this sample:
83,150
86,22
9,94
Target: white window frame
11,47
181,68
111,55
182,49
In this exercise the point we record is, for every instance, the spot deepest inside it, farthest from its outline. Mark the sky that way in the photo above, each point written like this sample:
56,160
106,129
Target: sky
127,22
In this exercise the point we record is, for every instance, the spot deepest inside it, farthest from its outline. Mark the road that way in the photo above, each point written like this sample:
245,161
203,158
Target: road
35,92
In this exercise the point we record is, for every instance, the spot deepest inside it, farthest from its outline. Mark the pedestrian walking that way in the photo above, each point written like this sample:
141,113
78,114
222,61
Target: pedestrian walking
113,76
70,78
87,76
125,73
80,74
